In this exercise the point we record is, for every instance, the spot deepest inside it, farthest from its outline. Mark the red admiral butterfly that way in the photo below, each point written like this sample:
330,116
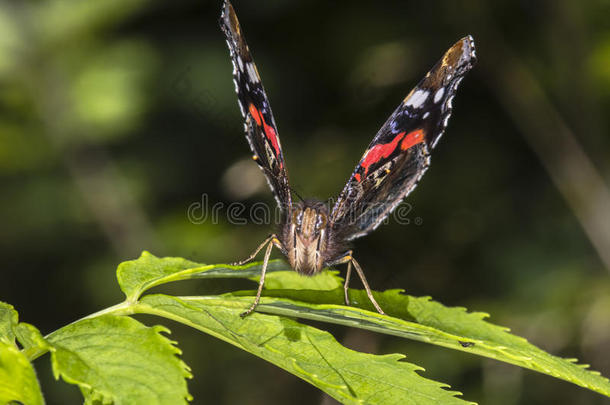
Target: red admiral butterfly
310,236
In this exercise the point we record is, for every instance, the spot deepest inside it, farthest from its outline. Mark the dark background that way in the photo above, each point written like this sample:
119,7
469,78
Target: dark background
116,116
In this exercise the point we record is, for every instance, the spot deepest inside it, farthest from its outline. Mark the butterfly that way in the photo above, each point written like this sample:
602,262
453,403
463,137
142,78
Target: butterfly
311,236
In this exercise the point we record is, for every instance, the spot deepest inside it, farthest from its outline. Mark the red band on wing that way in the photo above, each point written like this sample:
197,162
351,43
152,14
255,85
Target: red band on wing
357,177
269,131
272,136
255,114
412,139
381,151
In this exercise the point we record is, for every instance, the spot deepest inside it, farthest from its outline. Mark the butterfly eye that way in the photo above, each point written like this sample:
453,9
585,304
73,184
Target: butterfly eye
297,217
320,222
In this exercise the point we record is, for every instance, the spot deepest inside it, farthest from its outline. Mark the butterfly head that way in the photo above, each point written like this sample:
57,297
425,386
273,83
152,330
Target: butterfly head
305,236
310,218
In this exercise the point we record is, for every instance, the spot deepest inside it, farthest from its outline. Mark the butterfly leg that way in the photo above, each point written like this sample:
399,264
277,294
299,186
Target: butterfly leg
366,286
271,241
253,255
346,284
349,259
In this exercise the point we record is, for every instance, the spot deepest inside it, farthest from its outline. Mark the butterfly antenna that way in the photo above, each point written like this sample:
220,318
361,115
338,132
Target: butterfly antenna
267,171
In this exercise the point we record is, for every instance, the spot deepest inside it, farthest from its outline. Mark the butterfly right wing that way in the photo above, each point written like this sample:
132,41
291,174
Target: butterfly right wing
260,127
399,154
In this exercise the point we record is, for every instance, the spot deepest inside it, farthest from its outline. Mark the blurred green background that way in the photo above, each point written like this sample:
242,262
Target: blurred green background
117,116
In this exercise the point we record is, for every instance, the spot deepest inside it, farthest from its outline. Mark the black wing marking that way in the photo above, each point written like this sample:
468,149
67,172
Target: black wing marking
260,127
398,156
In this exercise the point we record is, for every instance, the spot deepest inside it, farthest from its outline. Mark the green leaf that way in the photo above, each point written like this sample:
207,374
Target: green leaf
8,321
17,377
311,354
29,337
117,359
18,380
420,318
411,317
31,340
325,280
137,276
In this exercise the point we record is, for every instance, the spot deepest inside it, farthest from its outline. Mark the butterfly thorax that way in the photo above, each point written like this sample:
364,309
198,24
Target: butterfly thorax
305,237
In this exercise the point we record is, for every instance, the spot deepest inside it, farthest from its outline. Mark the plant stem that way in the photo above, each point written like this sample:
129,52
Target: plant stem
124,308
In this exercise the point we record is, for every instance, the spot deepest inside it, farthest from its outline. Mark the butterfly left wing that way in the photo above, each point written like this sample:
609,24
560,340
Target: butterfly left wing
398,156
260,127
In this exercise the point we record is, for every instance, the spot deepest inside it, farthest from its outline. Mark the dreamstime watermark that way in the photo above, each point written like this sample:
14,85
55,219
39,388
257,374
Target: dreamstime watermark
260,213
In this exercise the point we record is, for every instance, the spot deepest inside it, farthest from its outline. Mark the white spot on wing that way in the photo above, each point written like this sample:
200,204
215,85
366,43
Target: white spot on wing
417,99
446,120
450,102
438,138
473,53
252,72
439,94
426,115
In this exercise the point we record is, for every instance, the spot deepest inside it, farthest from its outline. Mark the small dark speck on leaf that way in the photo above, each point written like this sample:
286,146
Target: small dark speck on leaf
466,344
292,330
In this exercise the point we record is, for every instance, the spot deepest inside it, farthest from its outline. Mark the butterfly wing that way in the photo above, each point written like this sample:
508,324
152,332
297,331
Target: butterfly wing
399,154
260,127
